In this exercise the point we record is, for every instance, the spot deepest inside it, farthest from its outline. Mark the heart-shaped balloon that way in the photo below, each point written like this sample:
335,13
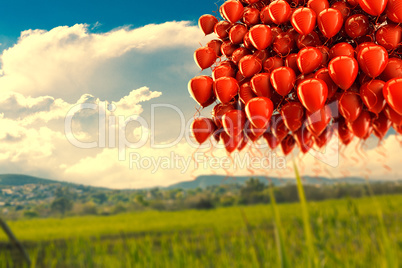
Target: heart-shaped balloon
393,94
226,89
272,63
261,85
250,65
251,16
222,29
291,62
283,80
343,71
373,60
392,70
357,25
381,126
246,93
233,122
259,111
389,36
373,7
393,116
318,5
272,141
372,96
231,143
278,127
312,93
239,53
292,114
232,10
227,48
303,139
279,11
207,23
343,8
394,11
202,129
201,89
361,126
204,57
223,70
323,138
288,144
283,44
318,121
330,22
237,33
341,49
304,20
309,59
350,105
323,74
344,133
215,44
260,36
218,112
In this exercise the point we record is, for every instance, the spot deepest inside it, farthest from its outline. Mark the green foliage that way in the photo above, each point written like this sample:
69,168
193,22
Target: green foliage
61,205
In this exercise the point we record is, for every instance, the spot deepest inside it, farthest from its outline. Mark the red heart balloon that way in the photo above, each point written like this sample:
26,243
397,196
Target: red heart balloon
392,70
291,62
254,133
263,55
393,116
345,134
394,11
343,71
231,143
393,94
343,8
288,144
357,25
318,121
323,74
309,59
202,129
373,60
233,122
259,111
250,65
303,139
310,40
226,89
373,7
350,106
371,94
272,141
389,36
330,22
265,17
304,20
215,44
239,53
312,93
232,10
246,93
318,5
341,49
251,16
292,114
261,85
278,127
283,44
283,80
207,23
279,11
272,63
361,126
222,29
223,70
237,33
260,36
218,112
227,48
201,89
323,138
381,126
204,57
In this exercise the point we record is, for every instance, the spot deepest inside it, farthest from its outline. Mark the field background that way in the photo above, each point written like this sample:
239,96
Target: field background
347,233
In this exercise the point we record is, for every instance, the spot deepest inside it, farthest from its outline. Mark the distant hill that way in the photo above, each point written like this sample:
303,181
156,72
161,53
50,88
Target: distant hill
18,180
210,180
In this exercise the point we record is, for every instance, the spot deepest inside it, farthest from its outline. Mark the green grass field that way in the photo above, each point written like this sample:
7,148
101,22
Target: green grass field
347,233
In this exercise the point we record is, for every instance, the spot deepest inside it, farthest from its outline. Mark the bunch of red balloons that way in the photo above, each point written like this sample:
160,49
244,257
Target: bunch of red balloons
296,72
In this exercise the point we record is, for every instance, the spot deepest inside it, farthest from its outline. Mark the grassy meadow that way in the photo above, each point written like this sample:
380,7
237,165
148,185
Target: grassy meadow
346,233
